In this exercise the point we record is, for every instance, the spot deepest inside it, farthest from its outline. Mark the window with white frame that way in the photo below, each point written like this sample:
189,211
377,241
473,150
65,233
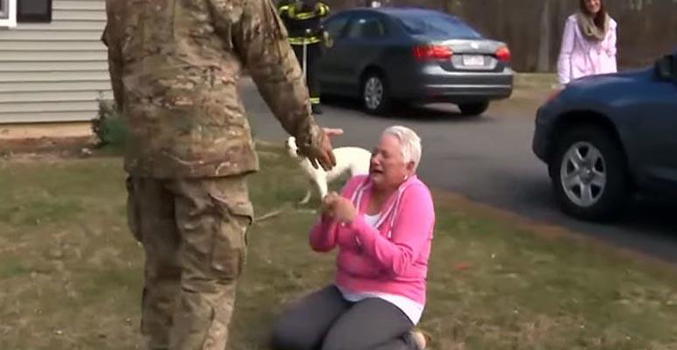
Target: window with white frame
25,11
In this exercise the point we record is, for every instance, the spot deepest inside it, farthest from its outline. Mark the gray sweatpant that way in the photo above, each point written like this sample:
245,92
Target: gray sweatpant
325,320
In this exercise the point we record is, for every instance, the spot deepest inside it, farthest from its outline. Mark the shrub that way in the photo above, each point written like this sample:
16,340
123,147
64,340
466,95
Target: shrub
109,126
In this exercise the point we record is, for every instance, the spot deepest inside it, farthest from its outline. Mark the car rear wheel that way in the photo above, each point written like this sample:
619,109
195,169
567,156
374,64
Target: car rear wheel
375,94
589,174
476,108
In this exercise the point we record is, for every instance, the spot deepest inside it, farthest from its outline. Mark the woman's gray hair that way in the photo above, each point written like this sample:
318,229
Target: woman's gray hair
410,143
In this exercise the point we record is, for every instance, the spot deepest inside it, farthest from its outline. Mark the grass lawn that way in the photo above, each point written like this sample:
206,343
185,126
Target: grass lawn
70,273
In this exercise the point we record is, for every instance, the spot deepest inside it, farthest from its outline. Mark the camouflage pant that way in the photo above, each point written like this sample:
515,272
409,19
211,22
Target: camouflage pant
194,235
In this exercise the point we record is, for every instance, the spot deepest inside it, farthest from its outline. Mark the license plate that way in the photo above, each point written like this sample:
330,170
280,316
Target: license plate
473,60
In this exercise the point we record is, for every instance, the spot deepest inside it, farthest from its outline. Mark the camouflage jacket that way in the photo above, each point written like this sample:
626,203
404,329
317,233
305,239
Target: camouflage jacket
174,66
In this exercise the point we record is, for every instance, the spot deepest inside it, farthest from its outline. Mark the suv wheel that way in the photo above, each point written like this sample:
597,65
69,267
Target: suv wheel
589,174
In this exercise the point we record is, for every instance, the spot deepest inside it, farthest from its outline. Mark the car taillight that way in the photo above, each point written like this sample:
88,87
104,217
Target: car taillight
503,54
432,52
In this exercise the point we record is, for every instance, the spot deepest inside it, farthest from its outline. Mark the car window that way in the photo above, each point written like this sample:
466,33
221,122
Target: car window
334,26
441,26
366,28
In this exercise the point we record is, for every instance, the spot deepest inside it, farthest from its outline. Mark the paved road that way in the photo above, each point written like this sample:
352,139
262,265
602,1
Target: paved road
487,159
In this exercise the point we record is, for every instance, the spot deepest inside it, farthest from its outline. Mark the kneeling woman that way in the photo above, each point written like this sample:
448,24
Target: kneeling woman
382,224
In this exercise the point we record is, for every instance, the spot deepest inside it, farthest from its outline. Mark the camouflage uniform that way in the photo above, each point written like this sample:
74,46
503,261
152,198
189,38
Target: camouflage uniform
174,67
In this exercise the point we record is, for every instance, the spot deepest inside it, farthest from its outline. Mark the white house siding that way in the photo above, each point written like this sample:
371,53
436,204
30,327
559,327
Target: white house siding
54,72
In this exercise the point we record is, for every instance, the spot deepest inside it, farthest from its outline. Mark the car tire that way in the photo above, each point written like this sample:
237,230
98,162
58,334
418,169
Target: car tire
589,174
375,94
473,109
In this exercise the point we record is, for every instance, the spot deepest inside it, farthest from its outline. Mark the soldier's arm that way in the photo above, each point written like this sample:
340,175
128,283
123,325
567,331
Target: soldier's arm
259,39
114,67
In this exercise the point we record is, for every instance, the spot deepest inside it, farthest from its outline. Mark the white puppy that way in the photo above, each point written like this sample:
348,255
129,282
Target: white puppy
348,159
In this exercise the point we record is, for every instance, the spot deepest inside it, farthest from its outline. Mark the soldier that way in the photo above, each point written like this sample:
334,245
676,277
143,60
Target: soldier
303,20
174,66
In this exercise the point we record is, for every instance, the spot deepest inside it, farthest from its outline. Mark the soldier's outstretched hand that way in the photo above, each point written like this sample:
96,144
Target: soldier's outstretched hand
325,154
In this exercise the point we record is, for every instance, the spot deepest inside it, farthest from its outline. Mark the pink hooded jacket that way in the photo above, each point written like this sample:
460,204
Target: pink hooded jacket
581,57
392,258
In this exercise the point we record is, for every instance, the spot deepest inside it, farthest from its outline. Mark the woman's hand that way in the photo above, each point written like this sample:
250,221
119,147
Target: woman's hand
338,207
326,207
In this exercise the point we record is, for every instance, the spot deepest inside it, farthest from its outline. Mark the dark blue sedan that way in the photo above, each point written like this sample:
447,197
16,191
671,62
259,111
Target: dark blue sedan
606,137
410,54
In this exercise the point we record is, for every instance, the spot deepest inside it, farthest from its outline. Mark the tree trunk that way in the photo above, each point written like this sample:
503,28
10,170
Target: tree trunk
543,62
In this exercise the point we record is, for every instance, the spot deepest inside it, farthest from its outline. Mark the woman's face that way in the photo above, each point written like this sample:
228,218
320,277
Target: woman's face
388,168
593,6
